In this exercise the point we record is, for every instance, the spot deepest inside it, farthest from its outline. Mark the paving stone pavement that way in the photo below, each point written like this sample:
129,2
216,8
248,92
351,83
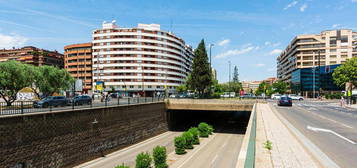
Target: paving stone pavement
287,151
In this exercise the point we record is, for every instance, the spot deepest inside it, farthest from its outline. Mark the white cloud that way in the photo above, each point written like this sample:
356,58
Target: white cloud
268,43
275,52
244,49
354,0
336,25
12,40
293,3
224,42
303,7
259,65
271,69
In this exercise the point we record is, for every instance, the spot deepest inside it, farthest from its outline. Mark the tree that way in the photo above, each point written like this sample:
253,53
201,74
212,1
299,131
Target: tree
280,87
14,76
159,155
143,160
52,80
181,88
200,78
264,88
345,73
235,75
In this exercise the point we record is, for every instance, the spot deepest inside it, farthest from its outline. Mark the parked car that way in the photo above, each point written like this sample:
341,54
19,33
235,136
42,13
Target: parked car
275,96
296,97
51,101
285,101
248,96
228,94
80,100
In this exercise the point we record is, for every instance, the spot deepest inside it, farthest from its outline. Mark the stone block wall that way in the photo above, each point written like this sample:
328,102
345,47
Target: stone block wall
68,138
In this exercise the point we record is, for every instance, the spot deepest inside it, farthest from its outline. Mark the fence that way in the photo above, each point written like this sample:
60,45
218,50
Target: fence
24,107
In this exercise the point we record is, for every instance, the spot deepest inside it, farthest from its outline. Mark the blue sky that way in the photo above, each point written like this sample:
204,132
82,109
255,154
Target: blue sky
249,33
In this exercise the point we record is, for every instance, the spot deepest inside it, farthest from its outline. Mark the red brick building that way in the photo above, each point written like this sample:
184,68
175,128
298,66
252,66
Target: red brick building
32,55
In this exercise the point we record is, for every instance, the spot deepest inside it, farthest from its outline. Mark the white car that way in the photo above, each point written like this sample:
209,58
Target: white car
296,97
275,96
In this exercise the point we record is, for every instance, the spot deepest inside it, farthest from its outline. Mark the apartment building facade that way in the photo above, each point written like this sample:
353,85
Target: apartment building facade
32,55
142,60
330,47
78,62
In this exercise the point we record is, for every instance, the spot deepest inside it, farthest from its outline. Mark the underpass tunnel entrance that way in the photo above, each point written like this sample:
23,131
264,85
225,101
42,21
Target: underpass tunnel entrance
222,121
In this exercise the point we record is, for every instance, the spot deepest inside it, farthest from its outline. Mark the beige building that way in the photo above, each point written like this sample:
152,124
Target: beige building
250,86
304,51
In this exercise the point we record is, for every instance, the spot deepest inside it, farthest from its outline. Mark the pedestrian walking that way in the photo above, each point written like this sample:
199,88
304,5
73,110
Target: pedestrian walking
342,102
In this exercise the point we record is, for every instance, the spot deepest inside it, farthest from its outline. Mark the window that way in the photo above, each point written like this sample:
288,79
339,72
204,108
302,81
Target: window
332,50
149,86
333,41
344,39
131,86
158,87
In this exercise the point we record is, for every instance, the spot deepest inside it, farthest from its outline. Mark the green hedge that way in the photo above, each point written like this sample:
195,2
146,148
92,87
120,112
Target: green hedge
189,140
159,155
180,143
143,160
122,166
203,129
194,132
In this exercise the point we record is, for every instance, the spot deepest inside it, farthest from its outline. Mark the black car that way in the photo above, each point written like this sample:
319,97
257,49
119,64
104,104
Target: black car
51,101
80,100
285,101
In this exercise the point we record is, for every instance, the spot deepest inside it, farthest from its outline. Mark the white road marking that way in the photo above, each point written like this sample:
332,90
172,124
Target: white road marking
214,159
194,153
323,117
330,131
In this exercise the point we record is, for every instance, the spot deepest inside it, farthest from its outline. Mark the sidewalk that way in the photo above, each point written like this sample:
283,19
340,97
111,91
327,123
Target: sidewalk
287,151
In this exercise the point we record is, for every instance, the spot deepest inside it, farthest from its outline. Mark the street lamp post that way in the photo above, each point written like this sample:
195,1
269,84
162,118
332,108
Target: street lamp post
319,77
229,80
210,57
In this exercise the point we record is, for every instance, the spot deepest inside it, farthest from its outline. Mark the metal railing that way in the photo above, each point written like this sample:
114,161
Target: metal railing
25,107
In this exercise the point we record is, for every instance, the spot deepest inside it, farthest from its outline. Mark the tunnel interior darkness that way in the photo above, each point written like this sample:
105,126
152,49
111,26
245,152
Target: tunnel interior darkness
223,121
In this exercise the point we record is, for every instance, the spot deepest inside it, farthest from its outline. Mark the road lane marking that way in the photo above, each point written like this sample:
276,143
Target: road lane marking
214,160
323,117
330,131
322,158
194,153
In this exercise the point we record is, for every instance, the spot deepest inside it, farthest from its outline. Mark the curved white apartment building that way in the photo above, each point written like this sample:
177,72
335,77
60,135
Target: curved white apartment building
142,60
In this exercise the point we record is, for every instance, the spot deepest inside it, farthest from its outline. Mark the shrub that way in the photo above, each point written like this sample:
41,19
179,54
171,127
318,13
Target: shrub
122,166
268,145
143,160
159,155
210,129
194,132
203,129
180,143
189,140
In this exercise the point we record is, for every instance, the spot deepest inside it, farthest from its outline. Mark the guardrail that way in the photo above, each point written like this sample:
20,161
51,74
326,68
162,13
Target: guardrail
250,157
25,107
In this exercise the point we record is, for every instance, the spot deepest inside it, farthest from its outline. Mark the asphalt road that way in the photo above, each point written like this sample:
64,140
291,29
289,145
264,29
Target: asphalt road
220,152
330,127
128,155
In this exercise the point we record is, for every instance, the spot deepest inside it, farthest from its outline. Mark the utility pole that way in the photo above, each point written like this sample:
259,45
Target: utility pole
229,80
210,57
